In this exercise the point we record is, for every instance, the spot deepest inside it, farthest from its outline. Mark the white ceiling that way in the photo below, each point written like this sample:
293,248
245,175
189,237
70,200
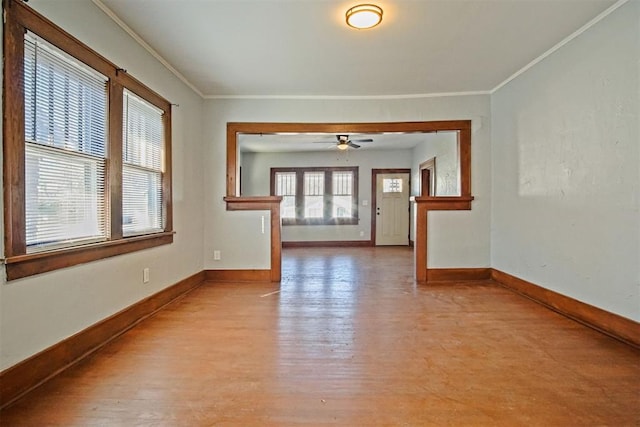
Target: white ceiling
320,142
303,48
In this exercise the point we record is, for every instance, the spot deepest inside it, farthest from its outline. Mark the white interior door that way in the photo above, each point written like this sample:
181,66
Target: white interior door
392,209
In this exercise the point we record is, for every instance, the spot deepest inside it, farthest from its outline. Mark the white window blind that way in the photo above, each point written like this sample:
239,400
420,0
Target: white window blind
286,187
342,206
65,148
314,194
142,152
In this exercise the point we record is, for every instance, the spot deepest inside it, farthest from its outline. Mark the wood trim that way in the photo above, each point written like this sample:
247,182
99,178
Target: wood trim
27,265
420,248
328,244
464,155
167,173
262,203
49,31
13,136
238,275
621,328
258,203
30,373
276,243
20,17
458,274
374,198
43,27
428,177
444,203
463,127
423,206
114,161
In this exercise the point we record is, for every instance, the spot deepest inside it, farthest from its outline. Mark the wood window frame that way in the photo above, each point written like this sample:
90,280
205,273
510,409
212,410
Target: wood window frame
19,18
328,193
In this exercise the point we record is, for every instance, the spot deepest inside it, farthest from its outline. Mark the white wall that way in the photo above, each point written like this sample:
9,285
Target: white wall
456,239
40,311
256,169
443,146
566,181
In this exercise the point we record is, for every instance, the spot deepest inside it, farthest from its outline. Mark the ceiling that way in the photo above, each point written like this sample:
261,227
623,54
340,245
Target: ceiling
303,48
271,143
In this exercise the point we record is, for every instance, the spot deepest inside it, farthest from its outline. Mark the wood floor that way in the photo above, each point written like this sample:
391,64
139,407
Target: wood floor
347,340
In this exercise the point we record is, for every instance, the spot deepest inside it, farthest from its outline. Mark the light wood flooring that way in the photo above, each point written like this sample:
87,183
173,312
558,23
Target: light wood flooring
348,339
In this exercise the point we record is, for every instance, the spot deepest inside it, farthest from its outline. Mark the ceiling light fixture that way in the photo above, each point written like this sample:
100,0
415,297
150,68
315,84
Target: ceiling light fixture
343,146
364,16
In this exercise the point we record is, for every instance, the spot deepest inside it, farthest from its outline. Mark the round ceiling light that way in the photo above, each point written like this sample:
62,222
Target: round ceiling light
364,16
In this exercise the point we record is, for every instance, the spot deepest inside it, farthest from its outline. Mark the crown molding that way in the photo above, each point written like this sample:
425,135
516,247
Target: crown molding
566,40
521,71
349,97
146,46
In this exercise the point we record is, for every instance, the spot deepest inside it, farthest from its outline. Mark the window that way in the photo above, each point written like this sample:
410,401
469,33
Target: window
342,194
313,195
65,135
286,187
392,185
317,196
142,166
86,146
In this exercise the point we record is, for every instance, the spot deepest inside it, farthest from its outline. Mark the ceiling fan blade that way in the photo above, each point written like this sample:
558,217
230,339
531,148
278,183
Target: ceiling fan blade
362,140
351,144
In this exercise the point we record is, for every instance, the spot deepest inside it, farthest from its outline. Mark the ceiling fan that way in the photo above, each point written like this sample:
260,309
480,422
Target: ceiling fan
343,142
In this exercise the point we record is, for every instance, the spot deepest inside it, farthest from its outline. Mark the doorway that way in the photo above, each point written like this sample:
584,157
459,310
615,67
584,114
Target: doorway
460,201
390,189
428,177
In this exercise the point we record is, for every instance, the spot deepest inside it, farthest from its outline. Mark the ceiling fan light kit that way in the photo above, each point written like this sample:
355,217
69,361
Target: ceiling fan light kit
343,142
364,16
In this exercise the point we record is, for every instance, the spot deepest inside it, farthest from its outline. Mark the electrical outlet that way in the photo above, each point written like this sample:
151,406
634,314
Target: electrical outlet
216,255
145,275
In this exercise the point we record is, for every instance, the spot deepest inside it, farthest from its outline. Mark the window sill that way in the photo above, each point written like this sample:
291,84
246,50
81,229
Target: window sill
31,264
444,203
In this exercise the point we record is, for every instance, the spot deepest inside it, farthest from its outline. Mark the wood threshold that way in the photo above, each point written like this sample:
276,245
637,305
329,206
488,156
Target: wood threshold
32,372
238,275
616,326
328,244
